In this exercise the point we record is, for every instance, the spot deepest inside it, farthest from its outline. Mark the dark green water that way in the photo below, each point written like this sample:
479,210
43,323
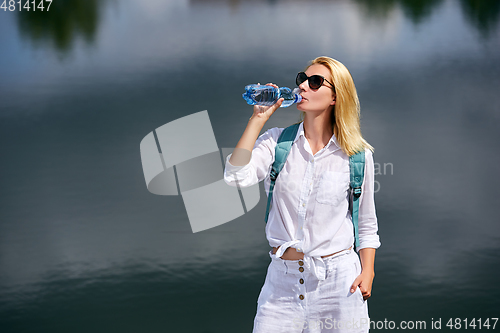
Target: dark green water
84,247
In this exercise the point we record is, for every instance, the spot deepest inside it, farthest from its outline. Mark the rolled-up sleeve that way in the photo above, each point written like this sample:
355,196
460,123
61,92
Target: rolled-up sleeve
260,163
367,218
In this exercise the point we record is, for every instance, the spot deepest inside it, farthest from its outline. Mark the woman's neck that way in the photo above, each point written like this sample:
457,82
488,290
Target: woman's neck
318,129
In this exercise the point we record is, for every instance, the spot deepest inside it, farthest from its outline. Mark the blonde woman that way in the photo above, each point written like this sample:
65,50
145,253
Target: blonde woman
316,281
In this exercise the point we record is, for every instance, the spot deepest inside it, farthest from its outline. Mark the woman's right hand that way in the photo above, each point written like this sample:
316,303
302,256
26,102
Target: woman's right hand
265,112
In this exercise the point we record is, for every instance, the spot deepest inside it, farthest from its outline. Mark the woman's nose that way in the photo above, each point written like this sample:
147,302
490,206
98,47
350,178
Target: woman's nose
304,85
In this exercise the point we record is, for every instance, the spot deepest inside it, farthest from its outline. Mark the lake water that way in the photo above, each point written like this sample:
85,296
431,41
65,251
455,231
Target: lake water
84,247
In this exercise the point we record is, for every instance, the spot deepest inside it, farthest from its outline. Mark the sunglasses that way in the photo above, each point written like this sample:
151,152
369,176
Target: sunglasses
315,81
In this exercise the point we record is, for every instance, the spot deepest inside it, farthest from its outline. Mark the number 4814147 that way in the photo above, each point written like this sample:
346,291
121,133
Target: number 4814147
456,323
13,5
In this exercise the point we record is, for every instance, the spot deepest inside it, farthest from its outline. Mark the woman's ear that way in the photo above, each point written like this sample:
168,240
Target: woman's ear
333,101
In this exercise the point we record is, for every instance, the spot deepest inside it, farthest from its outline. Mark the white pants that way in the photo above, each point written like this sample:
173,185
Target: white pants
293,300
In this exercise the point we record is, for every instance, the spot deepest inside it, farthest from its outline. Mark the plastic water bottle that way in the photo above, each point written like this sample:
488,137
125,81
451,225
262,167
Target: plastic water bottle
256,94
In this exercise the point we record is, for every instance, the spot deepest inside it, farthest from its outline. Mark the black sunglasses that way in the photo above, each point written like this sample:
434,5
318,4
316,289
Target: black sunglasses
315,81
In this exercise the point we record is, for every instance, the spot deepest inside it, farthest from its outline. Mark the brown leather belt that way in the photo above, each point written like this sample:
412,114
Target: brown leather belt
292,254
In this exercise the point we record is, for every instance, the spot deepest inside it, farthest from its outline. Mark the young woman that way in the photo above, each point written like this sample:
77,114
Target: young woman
315,281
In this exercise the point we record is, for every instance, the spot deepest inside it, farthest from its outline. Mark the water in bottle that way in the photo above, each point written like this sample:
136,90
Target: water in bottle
256,94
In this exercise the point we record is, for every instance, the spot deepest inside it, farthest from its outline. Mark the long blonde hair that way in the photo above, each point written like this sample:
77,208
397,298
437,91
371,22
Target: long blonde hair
346,111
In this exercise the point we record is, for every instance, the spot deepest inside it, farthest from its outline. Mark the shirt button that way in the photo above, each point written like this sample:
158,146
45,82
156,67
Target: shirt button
303,205
301,269
298,249
301,296
312,160
301,281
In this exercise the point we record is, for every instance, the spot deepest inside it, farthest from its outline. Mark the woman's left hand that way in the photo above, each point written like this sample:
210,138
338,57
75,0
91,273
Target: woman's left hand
364,282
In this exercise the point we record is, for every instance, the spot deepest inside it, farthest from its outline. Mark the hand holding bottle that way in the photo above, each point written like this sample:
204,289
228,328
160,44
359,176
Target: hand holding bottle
263,112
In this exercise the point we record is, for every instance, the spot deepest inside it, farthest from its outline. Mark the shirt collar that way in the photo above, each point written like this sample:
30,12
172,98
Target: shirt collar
300,132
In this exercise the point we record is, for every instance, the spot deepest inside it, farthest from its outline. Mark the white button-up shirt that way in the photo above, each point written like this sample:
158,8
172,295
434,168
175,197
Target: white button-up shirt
310,205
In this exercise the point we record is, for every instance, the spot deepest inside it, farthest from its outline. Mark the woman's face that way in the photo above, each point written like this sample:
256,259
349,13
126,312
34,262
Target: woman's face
320,99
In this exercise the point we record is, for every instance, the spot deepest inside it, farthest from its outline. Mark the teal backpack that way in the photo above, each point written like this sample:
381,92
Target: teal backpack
356,166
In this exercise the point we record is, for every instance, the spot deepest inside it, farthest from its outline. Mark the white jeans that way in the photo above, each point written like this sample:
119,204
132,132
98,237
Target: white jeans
295,301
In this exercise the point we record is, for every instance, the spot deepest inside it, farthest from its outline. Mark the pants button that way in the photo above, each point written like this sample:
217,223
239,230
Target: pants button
301,269
301,263
301,297
301,281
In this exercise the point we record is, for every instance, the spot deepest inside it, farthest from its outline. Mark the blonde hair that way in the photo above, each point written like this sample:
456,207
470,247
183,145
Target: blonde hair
346,111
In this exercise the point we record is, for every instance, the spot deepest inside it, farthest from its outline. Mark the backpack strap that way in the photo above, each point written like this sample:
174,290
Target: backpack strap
357,171
285,142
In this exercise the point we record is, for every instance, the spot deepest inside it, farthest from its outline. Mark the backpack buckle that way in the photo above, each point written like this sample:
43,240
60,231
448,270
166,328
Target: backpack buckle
356,191
273,175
